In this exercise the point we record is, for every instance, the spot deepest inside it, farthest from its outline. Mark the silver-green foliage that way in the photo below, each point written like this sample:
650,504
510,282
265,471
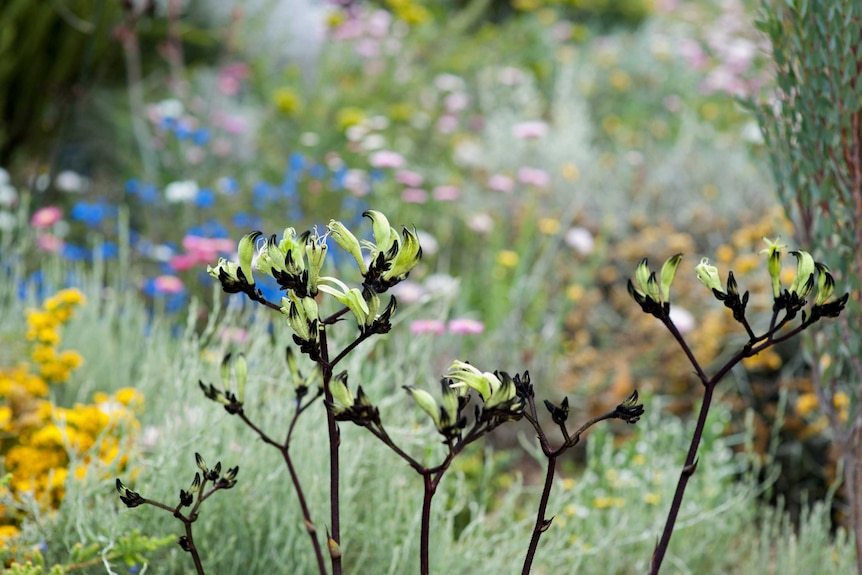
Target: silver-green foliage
607,515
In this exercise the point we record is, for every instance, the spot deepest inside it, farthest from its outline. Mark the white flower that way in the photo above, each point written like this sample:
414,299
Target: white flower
7,221
184,191
69,181
8,195
580,240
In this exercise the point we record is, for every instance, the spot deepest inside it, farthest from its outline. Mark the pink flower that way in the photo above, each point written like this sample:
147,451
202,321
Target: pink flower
456,101
481,223
446,193
46,217
407,291
414,196
169,284
386,159
534,177
409,178
447,124
49,243
501,183
184,262
466,326
423,326
530,130
233,335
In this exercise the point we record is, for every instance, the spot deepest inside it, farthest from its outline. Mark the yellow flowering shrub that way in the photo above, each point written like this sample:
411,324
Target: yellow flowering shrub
39,441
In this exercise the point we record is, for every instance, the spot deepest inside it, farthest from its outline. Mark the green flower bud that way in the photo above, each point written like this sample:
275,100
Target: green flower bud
224,371
351,298
348,242
825,284
804,282
504,393
668,271
408,256
316,250
342,398
246,254
708,275
384,235
297,318
773,254
426,402
201,463
465,376
642,275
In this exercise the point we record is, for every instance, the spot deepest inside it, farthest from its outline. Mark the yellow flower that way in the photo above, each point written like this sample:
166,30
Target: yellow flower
71,296
348,117
5,417
571,172
287,101
608,502
620,80
129,396
43,353
806,403
549,226
71,359
38,320
507,258
651,498
8,532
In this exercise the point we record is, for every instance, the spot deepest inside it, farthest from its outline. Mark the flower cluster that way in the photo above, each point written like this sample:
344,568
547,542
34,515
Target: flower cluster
41,442
42,330
296,263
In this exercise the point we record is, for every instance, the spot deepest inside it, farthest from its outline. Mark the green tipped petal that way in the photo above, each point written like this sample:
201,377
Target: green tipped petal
773,254
246,254
668,271
408,256
224,371
642,274
803,284
348,242
425,401
316,250
384,235
340,392
825,285
708,275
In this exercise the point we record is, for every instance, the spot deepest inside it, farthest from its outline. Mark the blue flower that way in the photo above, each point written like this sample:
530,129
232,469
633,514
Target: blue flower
107,250
296,161
75,253
317,171
246,221
228,185
182,131
133,185
148,193
201,136
205,198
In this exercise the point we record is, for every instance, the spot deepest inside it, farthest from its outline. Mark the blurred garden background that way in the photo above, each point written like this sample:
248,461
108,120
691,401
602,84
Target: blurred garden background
541,148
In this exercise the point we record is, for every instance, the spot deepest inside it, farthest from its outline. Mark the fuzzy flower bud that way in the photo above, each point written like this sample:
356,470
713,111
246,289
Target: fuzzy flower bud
804,282
708,275
348,242
773,254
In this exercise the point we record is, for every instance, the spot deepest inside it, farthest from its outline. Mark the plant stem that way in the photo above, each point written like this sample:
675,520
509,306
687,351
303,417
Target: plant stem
192,549
306,514
541,522
334,442
424,537
687,471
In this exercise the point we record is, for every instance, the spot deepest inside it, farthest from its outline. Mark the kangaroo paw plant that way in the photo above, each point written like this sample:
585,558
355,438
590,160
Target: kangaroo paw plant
652,293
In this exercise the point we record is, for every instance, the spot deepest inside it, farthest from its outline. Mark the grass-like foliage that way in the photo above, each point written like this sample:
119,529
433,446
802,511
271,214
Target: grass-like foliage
297,263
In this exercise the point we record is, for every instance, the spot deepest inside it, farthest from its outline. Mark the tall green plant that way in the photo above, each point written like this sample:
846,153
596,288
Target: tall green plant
813,132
